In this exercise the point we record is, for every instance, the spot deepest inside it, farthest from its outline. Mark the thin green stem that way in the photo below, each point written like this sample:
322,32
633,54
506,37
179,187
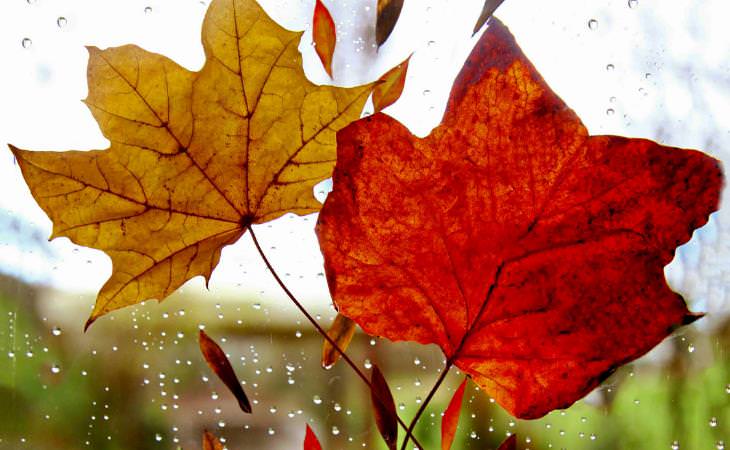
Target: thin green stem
319,328
409,431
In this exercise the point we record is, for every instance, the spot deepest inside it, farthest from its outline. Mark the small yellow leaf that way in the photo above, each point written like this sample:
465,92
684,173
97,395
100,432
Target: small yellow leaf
390,86
195,157
341,331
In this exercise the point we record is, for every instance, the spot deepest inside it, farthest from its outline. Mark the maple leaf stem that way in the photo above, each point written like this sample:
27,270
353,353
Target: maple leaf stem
321,330
414,421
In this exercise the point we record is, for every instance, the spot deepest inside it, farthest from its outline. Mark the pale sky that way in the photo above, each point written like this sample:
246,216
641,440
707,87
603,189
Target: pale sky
670,82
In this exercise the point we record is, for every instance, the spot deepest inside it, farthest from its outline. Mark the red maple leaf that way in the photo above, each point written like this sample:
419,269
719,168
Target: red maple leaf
530,252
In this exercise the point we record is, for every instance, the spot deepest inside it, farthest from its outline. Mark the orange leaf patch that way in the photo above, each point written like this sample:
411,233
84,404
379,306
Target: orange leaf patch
529,251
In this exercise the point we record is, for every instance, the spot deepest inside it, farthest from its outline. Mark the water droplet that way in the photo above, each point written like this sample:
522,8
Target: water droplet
55,368
257,306
610,67
401,406
148,10
61,22
56,331
214,395
317,400
727,389
592,24
26,43
335,431
473,435
158,437
368,364
691,348
633,3
720,445
713,422
271,431
675,445
416,361
273,410
593,437
610,112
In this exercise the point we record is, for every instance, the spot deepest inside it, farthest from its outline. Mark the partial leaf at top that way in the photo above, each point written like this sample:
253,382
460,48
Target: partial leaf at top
388,12
530,252
324,35
487,10
195,157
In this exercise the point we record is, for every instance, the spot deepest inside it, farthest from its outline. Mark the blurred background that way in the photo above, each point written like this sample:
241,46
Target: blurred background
135,380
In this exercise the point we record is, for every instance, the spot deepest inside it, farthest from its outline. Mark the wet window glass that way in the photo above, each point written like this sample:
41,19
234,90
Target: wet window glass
136,378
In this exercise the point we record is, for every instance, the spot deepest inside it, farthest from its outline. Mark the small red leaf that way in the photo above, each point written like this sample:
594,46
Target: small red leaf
390,86
451,417
509,444
385,416
218,361
341,331
388,13
324,35
487,10
210,442
310,440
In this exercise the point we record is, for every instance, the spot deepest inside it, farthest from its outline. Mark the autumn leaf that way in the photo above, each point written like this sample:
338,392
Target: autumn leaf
510,443
310,440
386,418
388,12
487,10
324,35
390,86
530,252
195,158
219,363
341,331
450,421
210,442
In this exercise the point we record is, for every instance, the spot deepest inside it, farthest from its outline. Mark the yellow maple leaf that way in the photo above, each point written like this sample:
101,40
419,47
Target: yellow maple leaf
195,157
